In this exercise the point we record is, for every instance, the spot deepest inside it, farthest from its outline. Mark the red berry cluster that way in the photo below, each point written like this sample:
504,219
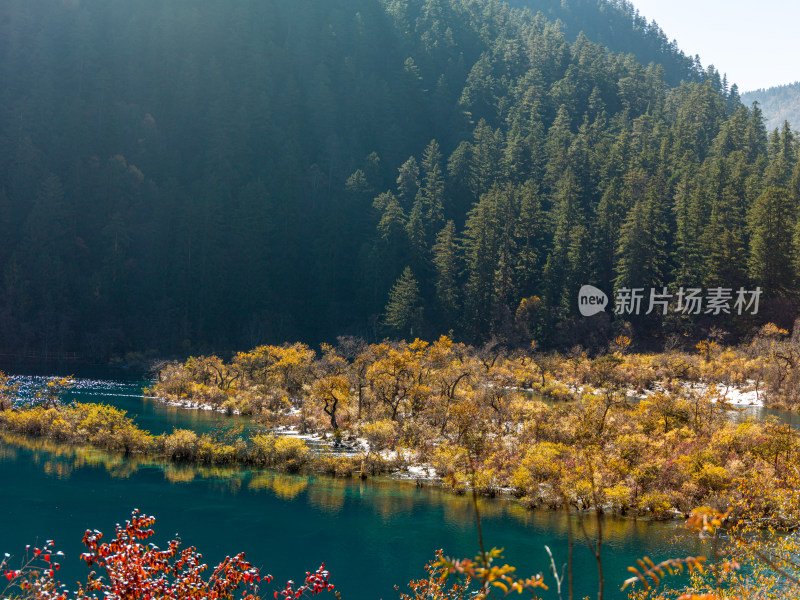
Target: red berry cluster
135,571
314,584
35,577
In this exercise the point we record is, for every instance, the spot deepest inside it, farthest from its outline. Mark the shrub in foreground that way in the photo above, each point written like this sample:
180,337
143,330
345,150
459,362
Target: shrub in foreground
131,570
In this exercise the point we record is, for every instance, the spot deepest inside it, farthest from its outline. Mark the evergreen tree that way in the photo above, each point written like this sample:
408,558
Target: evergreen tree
531,236
726,248
480,254
559,141
487,158
691,214
771,225
430,197
403,312
642,260
783,151
724,238
568,223
417,238
505,299
445,260
392,236
408,181
610,213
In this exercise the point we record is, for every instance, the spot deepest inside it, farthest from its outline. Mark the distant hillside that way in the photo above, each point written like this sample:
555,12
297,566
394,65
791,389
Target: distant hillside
617,25
779,104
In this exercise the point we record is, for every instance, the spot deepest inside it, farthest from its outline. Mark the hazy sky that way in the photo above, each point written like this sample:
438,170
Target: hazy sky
754,42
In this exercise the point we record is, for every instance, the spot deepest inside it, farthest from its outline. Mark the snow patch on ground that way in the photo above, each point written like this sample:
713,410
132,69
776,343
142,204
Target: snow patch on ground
745,395
418,473
295,433
744,398
738,396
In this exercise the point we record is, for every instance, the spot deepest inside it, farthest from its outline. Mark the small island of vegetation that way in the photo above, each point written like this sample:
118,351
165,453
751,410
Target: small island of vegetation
647,434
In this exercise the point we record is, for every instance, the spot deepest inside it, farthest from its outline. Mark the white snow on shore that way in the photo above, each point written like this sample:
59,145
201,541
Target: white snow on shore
738,396
421,472
741,397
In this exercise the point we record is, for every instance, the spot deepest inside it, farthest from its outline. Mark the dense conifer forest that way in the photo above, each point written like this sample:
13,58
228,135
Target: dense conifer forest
183,176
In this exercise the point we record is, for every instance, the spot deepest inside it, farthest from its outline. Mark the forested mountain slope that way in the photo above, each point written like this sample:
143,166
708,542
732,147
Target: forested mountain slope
780,103
207,175
618,26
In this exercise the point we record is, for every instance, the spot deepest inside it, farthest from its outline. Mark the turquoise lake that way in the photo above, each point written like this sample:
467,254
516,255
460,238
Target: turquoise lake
371,534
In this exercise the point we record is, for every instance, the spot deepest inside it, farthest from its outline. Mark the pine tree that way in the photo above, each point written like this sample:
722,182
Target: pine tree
609,216
691,214
725,244
559,141
518,155
642,259
795,185
756,134
724,240
487,158
430,196
480,255
392,236
505,299
417,238
771,224
567,219
460,183
783,151
403,313
408,181
531,235
733,101
445,259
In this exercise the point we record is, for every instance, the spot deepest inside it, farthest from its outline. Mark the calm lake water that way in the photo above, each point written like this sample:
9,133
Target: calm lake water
371,535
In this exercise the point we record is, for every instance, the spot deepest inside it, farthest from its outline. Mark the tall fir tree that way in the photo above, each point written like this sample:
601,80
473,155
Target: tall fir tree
480,254
430,195
531,237
642,257
771,224
446,263
408,181
403,313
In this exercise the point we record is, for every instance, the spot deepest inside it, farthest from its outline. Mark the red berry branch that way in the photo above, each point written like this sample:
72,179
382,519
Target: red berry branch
314,584
36,575
134,570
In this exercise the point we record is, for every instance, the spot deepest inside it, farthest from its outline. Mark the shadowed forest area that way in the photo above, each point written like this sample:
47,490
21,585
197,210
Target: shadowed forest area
200,177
